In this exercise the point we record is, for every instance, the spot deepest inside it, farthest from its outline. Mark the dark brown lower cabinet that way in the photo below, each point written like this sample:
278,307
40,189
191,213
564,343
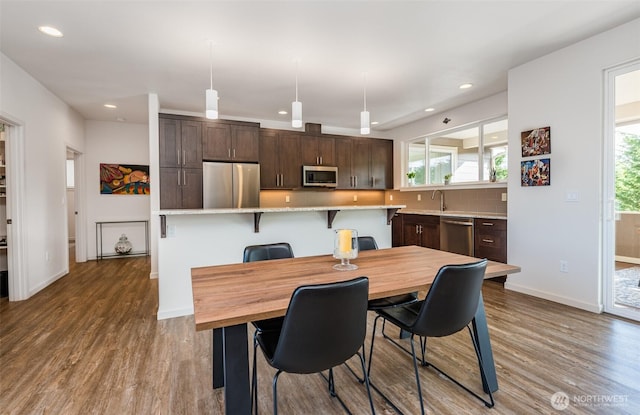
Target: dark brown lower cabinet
490,241
421,230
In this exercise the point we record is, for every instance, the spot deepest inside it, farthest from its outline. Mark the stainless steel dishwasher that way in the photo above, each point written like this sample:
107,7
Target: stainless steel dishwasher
456,235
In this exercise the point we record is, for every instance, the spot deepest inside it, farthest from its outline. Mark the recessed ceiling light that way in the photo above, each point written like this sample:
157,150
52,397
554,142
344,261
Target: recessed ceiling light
282,112
465,86
51,31
429,109
110,106
374,122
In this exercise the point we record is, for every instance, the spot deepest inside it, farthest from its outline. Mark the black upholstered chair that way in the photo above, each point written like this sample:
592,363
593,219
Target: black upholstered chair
366,243
325,325
265,252
449,306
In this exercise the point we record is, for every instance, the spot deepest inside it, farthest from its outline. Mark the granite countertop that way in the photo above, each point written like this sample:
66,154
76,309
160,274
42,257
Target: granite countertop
272,209
453,213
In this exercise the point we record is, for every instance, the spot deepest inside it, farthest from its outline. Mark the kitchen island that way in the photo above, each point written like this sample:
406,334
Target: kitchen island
202,237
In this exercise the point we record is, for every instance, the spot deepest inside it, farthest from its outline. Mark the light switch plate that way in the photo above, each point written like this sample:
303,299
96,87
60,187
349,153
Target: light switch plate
504,197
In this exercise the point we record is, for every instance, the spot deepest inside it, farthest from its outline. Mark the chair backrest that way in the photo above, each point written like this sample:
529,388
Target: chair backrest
367,243
268,251
324,326
452,300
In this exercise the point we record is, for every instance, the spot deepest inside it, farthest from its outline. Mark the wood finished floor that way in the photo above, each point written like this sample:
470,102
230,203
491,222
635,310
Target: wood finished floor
90,344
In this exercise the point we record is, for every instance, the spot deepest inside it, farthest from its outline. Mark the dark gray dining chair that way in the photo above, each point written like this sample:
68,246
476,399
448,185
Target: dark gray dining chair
324,326
366,243
265,252
449,306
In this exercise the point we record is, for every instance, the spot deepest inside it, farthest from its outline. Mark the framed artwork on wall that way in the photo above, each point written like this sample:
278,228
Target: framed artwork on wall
536,142
124,179
535,172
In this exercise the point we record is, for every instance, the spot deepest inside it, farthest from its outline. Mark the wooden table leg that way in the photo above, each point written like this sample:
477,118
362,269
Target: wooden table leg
237,395
481,332
218,359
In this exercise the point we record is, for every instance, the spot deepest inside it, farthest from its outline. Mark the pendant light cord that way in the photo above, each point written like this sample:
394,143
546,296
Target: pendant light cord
211,62
364,75
297,69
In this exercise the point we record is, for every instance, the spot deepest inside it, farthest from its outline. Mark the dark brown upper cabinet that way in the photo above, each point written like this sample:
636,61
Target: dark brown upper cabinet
180,143
318,150
280,165
364,163
229,142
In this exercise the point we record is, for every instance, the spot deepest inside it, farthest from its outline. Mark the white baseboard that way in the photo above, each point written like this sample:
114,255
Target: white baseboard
153,275
48,282
594,308
178,312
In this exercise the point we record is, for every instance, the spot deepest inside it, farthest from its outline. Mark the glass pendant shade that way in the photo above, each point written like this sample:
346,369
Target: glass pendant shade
296,114
364,122
212,104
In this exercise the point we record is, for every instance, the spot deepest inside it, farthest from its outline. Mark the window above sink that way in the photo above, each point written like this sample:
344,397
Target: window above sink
475,154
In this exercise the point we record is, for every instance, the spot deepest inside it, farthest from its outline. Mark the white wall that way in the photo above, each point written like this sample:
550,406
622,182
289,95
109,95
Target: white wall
49,126
563,90
119,143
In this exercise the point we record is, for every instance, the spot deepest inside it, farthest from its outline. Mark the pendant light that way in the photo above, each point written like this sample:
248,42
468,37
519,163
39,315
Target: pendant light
211,96
364,115
296,106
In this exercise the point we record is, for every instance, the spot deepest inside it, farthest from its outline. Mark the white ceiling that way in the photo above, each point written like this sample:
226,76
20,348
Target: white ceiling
415,54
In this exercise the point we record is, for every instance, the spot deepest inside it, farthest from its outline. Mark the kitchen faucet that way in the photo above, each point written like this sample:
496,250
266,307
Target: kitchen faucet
442,205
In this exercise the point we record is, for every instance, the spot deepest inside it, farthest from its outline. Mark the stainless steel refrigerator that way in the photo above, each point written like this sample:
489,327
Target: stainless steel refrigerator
230,185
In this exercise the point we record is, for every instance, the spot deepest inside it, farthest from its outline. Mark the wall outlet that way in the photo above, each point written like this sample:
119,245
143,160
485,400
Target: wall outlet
391,198
564,266
504,197
419,197
46,256
171,231
287,199
355,198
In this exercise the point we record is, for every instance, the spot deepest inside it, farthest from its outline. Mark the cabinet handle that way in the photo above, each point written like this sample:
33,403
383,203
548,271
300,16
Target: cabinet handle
184,178
488,240
321,160
178,177
184,157
229,152
355,180
178,155
487,224
234,153
373,182
420,229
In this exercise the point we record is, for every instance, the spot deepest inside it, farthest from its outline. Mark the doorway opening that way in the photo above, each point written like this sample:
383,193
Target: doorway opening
622,190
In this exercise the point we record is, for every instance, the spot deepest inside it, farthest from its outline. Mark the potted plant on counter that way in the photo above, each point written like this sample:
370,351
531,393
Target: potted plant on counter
447,178
411,177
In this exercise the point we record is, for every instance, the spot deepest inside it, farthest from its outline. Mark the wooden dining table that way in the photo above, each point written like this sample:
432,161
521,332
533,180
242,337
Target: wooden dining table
227,297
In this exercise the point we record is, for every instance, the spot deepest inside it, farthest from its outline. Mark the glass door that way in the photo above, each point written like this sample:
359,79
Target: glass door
622,188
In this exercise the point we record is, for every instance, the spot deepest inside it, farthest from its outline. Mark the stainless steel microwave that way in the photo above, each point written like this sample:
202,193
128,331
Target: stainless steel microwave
319,176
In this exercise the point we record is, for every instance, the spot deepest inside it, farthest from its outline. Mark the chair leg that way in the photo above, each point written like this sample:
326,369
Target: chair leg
275,392
366,381
415,368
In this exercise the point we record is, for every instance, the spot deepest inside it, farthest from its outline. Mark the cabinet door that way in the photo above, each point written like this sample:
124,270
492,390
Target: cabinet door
216,142
430,232
245,147
289,159
360,159
269,167
343,162
191,142
169,188
382,164
309,150
169,142
411,233
191,189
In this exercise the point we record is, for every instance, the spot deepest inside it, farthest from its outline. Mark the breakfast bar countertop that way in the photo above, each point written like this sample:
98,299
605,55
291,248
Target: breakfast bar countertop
454,213
273,209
